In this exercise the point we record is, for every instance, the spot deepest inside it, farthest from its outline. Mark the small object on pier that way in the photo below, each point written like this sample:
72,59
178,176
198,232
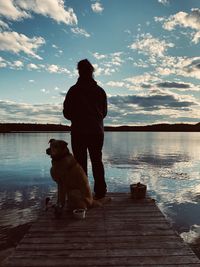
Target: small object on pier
79,213
138,191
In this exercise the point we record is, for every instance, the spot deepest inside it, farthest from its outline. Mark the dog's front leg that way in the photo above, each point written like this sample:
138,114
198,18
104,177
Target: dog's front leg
61,195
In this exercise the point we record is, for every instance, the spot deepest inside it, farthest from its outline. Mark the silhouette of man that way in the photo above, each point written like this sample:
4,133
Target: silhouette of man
85,106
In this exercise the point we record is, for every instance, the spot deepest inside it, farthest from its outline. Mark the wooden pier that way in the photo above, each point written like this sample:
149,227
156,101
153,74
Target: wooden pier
124,232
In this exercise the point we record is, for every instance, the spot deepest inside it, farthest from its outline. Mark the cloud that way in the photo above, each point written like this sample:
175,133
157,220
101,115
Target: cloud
102,70
152,101
45,91
118,117
127,109
147,80
32,66
52,8
3,26
53,68
181,86
54,46
157,106
108,63
57,69
109,59
16,43
10,10
3,62
30,113
59,52
193,68
115,84
80,31
173,85
116,58
184,20
180,66
196,37
97,7
17,64
164,2
197,66
142,79
98,55
148,45
140,63
55,9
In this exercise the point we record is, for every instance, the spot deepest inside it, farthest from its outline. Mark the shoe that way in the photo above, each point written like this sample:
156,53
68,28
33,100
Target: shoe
104,200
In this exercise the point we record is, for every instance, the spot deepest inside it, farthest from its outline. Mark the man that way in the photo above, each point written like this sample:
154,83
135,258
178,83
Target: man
85,106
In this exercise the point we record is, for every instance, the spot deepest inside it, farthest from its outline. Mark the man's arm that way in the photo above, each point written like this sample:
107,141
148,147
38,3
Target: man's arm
67,107
105,106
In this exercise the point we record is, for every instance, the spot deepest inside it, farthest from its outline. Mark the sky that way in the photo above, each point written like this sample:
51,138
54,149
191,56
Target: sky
145,53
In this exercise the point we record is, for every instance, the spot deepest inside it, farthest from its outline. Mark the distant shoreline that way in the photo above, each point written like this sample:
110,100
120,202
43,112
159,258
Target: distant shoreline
34,127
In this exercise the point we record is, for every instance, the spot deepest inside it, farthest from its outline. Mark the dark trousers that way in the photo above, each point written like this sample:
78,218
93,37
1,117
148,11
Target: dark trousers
93,143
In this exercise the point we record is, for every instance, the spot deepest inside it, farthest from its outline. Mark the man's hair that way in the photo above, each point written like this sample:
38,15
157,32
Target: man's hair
85,68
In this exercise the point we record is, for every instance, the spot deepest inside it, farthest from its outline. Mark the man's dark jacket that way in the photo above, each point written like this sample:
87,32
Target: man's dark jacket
86,106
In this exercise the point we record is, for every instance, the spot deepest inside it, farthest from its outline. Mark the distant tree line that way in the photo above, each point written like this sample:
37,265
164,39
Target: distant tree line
163,127
34,127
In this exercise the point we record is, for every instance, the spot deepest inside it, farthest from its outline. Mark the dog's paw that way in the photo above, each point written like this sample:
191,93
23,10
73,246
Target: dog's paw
96,203
102,201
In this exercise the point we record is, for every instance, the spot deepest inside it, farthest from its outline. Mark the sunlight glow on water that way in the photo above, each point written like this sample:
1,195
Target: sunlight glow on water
167,162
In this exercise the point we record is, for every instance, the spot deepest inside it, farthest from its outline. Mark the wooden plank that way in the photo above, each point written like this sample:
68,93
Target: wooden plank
109,253
115,239
99,227
134,231
49,261
99,245
122,233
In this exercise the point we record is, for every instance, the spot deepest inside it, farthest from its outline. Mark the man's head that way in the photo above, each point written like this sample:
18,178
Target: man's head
85,68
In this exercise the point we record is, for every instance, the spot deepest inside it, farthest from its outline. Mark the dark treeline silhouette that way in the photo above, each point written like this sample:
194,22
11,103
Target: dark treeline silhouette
34,127
163,127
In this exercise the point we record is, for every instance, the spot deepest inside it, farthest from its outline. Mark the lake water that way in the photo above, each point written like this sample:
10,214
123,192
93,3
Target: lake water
168,163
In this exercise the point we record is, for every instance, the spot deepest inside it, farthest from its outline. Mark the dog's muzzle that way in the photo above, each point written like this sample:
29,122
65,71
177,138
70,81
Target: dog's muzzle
48,151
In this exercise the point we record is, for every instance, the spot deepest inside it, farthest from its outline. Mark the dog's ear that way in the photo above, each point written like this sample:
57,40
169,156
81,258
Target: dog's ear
51,140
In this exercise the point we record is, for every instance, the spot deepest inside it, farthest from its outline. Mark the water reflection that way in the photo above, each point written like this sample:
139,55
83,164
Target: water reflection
167,162
20,205
192,236
160,161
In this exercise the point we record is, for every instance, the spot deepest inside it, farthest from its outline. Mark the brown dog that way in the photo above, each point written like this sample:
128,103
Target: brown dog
70,177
